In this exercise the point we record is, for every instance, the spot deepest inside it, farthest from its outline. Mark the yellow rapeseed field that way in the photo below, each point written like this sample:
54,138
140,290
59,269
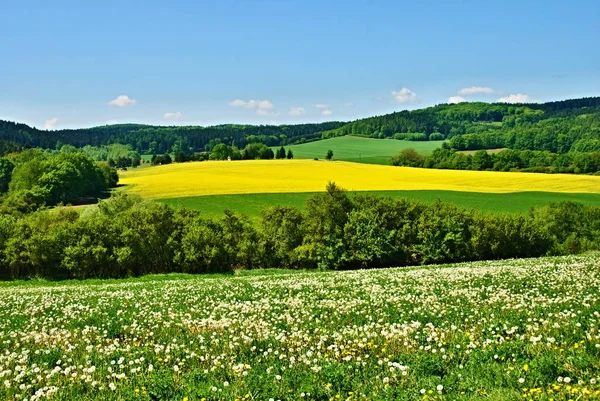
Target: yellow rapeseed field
277,176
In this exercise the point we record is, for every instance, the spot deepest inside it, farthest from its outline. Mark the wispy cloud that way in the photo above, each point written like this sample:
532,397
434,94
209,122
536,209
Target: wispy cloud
322,106
267,112
297,111
173,116
404,95
326,112
262,107
515,98
456,99
476,90
122,101
49,124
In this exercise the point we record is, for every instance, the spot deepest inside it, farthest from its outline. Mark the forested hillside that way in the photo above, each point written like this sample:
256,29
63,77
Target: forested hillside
157,139
557,127
521,122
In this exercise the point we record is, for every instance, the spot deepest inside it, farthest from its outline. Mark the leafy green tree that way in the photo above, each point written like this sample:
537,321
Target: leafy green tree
6,170
482,160
280,154
408,157
281,235
329,155
290,155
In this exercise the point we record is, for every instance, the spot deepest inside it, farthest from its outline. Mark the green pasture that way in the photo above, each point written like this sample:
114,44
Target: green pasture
252,204
361,150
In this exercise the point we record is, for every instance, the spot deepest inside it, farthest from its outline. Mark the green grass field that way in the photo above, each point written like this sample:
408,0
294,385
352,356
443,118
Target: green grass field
361,150
252,204
501,330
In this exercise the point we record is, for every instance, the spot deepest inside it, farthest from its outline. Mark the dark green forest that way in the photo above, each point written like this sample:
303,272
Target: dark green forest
147,139
555,127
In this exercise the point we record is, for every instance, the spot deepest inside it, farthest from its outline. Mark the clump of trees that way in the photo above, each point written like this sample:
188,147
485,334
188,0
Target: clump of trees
32,179
252,151
126,236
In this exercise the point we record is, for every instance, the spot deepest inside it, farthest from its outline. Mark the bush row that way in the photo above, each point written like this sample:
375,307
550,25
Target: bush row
124,236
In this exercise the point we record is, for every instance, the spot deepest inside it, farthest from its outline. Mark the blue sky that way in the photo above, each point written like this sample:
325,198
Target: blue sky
71,64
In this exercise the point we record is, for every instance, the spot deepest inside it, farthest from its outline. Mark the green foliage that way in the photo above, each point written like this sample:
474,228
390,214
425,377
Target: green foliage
125,236
47,179
158,160
225,152
329,155
6,170
280,154
257,151
408,157
147,139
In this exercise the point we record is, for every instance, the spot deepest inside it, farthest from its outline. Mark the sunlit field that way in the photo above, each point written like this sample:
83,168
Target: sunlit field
278,176
360,150
506,330
252,205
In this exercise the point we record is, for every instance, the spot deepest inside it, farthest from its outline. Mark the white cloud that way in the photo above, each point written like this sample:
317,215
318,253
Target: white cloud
265,112
252,104
237,103
456,99
322,106
476,90
49,124
327,112
122,101
515,98
262,107
173,116
404,95
297,111
111,122
348,104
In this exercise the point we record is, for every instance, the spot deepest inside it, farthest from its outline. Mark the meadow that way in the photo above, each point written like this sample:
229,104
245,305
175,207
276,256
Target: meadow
360,150
293,176
252,205
503,330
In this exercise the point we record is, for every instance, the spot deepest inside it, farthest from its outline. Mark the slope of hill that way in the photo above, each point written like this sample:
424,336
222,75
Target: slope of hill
359,149
554,126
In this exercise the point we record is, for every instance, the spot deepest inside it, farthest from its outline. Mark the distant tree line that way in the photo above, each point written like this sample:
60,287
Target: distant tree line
252,151
147,139
125,236
506,160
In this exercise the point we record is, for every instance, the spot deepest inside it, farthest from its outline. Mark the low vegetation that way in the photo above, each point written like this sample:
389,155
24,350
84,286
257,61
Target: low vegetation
125,236
252,205
506,330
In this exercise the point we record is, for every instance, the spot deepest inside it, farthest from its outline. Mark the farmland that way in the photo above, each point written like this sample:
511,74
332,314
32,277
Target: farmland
504,330
285,176
252,204
360,150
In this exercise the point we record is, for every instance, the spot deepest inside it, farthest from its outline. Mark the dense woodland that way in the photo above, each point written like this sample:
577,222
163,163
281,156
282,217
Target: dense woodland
556,127
146,139
125,236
